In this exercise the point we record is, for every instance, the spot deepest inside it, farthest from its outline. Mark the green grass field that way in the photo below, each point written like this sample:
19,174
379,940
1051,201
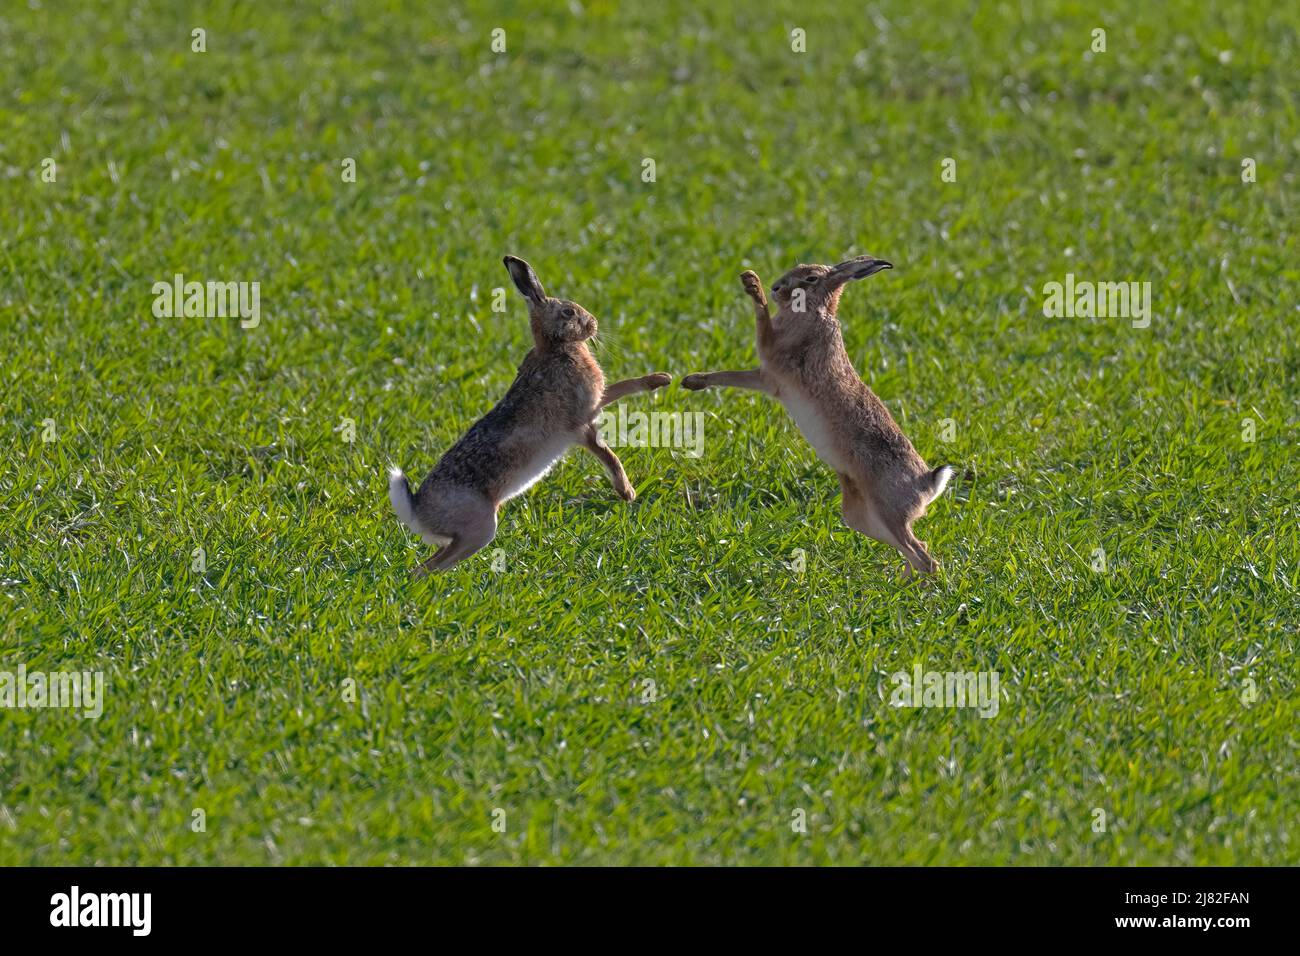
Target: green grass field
505,716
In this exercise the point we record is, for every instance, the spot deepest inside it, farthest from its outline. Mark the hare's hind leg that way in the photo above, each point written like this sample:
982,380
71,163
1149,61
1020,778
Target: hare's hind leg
914,549
863,514
592,441
475,526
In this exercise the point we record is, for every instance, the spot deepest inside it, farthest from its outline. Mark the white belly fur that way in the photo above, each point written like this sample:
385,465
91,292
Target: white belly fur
812,424
536,467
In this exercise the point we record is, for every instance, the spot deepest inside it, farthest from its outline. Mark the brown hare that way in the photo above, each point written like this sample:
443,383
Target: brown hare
550,407
884,483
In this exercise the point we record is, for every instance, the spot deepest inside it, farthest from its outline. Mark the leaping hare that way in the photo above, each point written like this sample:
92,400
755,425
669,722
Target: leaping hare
550,407
884,483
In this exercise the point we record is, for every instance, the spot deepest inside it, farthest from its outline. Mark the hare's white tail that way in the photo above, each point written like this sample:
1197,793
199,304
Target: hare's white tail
937,481
399,493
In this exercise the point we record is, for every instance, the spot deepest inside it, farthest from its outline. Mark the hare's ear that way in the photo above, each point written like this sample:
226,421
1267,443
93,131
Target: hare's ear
858,268
525,279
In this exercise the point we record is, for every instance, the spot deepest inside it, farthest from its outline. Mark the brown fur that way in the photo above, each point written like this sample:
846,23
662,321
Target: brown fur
550,406
884,484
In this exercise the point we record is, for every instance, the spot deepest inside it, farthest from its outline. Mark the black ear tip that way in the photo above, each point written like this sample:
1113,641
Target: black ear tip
870,267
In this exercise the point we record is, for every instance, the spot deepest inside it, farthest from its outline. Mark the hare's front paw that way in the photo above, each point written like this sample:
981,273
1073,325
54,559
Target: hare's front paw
658,380
753,287
695,381
627,493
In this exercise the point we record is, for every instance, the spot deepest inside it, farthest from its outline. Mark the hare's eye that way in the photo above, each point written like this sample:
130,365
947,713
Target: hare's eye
568,313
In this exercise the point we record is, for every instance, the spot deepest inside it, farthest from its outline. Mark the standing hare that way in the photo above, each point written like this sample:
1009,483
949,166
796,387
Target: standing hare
550,407
884,483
